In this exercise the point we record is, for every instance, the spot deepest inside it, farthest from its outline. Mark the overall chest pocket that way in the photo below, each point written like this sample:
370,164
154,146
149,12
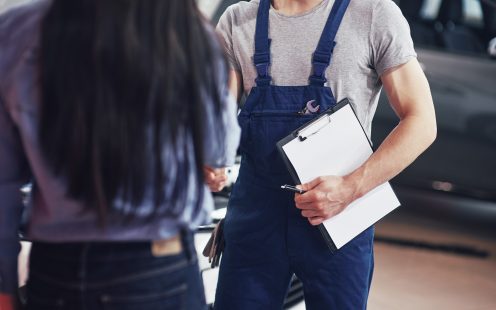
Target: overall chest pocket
262,130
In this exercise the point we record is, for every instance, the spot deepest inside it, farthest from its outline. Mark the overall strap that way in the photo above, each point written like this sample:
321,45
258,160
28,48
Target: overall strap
323,54
262,44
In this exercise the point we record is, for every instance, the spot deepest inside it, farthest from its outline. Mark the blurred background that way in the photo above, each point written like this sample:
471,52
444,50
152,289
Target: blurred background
437,251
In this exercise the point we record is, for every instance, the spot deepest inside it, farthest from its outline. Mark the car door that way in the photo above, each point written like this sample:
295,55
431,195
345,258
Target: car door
462,160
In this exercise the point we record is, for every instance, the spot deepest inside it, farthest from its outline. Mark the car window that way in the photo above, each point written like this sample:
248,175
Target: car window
430,9
464,26
209,7
472,13
5,4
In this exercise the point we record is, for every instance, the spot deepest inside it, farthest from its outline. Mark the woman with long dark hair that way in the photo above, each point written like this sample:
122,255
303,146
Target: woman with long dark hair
113,109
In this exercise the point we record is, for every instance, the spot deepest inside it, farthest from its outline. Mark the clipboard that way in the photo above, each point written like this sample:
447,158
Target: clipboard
335,143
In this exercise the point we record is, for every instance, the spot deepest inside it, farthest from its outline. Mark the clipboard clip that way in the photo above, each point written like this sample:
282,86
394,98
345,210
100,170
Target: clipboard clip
302,137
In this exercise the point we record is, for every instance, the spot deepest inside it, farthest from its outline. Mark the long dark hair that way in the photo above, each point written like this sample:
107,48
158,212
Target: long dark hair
122,80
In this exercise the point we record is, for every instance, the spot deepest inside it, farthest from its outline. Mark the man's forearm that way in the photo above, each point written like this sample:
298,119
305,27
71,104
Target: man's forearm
404,144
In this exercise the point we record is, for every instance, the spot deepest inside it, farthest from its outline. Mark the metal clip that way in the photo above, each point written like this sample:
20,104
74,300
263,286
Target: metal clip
304,137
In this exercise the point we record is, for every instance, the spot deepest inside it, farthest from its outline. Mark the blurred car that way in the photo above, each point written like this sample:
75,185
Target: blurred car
452,39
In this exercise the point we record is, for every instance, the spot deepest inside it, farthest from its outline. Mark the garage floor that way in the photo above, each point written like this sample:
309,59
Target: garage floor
433,272
409,278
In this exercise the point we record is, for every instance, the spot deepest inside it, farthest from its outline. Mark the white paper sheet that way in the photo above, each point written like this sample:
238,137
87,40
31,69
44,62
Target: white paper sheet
337,147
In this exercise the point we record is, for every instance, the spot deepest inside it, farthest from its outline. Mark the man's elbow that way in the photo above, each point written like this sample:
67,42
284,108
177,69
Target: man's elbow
424,127
430,131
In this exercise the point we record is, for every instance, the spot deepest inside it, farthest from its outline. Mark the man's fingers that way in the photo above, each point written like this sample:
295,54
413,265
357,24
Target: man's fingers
209,175
212,173
215,179
217,187
220,179
310,213
305,206
219,171
305,198
316,220
311,196
312,184
321,209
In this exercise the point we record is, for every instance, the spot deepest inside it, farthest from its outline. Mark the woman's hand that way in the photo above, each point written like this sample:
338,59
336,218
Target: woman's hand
215,178
7,302
325,197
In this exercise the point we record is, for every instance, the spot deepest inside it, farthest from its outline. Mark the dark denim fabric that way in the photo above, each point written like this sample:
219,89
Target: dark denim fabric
124,276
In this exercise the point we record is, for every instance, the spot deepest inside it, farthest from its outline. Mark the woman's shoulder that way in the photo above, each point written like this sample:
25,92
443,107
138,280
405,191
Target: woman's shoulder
22,19
19,31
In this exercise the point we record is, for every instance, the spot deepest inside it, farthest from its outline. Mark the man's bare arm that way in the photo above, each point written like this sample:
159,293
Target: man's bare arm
410,97
235,84
409,94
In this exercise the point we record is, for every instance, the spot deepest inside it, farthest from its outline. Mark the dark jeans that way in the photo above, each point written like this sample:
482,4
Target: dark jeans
111,275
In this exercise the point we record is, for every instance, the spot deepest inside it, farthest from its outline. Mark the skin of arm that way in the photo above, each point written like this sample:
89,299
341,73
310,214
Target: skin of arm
215,178
410,97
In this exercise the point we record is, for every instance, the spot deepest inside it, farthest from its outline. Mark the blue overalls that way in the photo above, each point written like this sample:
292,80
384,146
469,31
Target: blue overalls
267,239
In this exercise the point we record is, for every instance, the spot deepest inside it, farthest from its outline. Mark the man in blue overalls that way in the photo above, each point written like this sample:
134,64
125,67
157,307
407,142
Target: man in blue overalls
270,234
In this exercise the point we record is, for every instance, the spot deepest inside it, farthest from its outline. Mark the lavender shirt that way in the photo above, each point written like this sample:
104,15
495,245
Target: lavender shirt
52,216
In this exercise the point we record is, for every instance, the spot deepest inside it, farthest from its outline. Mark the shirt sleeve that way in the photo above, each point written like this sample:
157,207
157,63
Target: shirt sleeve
225,30
14,173
390,37
221,144
222,131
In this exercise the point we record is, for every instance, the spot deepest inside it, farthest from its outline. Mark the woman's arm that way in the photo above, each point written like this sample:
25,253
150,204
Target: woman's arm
216,177
214,171
14,172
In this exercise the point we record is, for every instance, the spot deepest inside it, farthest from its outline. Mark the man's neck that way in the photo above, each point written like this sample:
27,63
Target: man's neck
294,7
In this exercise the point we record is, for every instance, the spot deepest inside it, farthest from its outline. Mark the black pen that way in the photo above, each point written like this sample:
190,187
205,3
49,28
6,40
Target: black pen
293,189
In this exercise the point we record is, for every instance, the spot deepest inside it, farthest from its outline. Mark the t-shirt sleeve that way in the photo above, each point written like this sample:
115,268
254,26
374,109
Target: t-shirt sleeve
390,37
225,30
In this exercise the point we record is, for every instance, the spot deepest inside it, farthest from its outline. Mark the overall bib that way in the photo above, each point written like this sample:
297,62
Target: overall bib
267,239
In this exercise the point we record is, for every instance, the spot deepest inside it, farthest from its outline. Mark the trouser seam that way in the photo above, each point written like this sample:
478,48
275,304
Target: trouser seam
83,274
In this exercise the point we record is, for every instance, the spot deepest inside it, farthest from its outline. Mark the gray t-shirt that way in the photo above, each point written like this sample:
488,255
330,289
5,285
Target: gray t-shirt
373,37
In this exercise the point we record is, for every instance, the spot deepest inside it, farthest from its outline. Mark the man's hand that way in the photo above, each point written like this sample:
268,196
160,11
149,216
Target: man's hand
7,302
325,197
215,178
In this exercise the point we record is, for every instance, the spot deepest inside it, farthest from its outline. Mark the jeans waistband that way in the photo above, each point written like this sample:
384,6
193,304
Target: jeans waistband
105,250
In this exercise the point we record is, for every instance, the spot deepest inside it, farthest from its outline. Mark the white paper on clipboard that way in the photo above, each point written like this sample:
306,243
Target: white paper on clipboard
337,146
